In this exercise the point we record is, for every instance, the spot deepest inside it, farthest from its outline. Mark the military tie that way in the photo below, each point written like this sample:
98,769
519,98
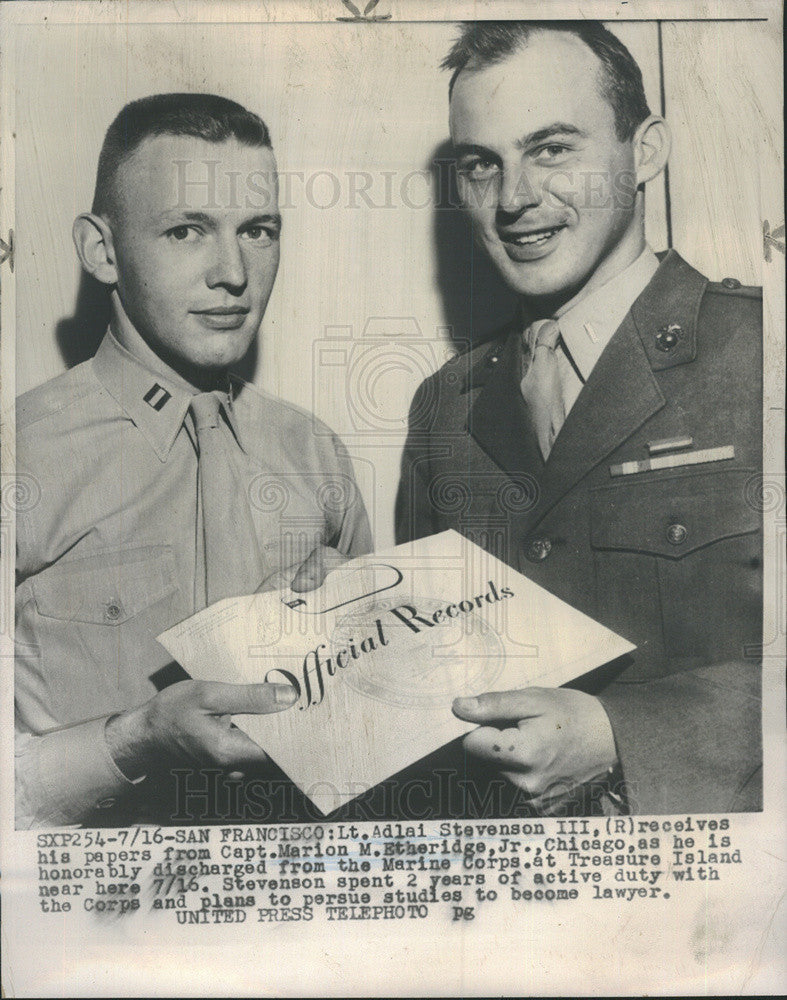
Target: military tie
541,386
231,551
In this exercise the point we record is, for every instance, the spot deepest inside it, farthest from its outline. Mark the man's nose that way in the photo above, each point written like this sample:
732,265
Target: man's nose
228,267
520,189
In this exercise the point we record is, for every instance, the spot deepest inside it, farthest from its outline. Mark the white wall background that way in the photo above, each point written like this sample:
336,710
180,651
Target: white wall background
367,297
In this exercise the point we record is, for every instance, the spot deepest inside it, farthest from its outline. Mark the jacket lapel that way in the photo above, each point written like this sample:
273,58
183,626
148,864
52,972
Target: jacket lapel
620,395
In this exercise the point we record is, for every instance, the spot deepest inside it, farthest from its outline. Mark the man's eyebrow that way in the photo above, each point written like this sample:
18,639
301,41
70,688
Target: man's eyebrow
470,148
526,141
179,215
548,132
265,219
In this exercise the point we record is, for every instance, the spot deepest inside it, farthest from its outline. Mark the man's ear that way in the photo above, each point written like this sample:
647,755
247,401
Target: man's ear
652,143
95,247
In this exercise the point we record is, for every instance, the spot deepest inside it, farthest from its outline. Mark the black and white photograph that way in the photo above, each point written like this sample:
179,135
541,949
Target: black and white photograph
393,491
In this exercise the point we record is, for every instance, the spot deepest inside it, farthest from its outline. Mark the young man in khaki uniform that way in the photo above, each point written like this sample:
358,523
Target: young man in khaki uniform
164,483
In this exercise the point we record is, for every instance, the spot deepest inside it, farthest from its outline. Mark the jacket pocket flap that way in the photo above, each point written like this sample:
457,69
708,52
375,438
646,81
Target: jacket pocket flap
673,516
107,588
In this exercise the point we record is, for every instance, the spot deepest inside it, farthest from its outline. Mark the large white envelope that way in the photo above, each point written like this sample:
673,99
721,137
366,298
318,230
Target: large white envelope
378,653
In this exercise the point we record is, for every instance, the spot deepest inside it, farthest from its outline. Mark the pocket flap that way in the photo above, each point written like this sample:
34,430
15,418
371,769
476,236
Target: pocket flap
107,588
673,516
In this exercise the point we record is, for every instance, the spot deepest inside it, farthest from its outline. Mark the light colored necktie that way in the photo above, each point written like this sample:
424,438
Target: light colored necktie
541,385
232,560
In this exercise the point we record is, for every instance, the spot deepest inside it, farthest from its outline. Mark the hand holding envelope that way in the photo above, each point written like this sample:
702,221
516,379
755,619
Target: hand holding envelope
308,575
541,739
191,721
544,740
379,650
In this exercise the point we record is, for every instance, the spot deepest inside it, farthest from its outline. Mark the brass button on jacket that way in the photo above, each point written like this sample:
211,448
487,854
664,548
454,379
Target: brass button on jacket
538,549
677,534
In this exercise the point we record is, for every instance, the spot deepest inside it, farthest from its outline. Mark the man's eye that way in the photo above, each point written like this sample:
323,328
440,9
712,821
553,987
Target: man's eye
478,169
260,235
182,234
551,152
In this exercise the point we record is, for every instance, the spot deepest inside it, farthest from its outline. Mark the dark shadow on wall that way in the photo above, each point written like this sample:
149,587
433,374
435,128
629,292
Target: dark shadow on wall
476,301
79,335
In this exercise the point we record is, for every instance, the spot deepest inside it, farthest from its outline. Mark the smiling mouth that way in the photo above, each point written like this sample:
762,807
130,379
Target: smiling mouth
533,238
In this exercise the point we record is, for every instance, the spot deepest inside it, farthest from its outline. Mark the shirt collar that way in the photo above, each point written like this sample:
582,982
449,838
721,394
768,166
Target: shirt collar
587,326
153,396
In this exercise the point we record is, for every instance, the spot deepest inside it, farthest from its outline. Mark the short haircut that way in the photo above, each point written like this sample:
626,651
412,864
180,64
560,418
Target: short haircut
482,43
204,116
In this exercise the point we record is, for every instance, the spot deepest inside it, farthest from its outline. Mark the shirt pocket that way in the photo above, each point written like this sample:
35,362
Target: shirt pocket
96,622
681,557
108,588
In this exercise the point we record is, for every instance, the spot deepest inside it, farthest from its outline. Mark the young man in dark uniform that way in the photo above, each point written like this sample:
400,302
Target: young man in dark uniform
612,435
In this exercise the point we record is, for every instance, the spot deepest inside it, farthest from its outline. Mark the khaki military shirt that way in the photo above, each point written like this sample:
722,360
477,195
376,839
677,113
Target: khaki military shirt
108,550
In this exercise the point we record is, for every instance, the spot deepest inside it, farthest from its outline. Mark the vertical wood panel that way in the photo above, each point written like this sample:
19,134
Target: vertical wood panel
722,93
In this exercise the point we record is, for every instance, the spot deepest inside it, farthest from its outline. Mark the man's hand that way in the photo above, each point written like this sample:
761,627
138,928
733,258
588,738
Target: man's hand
544,740
191,722
313,571
308,575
